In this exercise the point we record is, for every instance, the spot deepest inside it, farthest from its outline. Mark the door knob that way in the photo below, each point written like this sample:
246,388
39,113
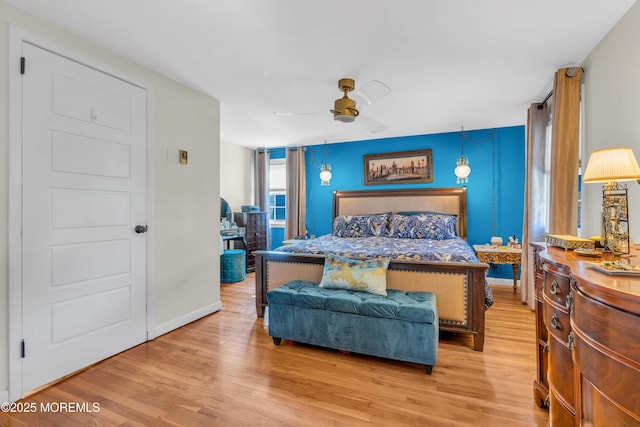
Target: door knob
141,229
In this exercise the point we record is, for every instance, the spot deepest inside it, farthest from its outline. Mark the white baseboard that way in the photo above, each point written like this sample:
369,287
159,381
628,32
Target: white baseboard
502,282
4,396
183,320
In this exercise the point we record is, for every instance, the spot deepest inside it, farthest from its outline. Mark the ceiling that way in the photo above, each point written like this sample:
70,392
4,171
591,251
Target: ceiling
471,63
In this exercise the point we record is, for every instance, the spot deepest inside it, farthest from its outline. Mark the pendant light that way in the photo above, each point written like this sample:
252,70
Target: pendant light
462,169
325,168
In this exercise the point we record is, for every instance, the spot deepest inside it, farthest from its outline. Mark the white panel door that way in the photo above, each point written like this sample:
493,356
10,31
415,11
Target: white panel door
84,185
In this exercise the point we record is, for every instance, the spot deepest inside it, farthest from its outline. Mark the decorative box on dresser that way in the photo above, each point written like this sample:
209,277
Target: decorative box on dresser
540,384
256,236
593,320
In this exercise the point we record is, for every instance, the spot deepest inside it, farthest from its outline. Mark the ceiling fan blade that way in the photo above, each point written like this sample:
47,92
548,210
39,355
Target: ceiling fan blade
372,125
312,113
370,93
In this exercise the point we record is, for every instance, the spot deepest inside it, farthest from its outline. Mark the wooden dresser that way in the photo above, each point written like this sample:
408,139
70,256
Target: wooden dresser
593,324
256,236
540,384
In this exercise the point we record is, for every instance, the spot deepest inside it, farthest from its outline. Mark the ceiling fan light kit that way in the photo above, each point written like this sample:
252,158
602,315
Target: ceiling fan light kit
344,109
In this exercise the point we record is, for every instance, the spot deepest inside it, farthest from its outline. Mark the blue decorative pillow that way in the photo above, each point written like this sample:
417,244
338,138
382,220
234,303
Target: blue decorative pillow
369,275
452,222
423,226
360,225
400,227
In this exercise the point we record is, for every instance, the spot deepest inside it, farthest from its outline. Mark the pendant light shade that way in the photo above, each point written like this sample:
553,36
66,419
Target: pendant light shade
325,175
462,170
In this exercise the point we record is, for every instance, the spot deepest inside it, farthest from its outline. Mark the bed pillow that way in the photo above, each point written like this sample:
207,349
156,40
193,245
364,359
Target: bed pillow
368,275
452,223
423,226
360,225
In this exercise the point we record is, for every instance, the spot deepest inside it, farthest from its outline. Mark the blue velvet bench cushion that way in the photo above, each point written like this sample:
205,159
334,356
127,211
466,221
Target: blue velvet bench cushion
401,326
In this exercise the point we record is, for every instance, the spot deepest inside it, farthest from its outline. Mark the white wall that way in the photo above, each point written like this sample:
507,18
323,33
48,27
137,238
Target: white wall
236,175
612,110
186,244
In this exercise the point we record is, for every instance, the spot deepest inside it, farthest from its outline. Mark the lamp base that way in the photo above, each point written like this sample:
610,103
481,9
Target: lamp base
615,219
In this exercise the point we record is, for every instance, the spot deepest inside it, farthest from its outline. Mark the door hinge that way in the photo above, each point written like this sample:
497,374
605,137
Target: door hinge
22,64
22,349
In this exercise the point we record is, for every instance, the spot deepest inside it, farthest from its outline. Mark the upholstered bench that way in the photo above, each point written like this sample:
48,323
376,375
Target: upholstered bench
401,326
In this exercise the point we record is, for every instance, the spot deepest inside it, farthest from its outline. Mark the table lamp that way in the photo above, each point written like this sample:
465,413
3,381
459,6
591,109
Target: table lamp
611,166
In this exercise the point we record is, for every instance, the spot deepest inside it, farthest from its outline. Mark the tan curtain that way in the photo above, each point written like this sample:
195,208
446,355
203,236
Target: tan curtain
535,201
261,163
296,200
261,187
563,179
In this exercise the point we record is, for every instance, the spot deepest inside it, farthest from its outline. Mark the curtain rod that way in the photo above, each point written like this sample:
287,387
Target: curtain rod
544,101
278,149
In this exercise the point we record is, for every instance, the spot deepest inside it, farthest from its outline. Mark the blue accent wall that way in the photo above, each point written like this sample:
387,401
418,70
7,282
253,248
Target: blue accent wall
276,237
347,166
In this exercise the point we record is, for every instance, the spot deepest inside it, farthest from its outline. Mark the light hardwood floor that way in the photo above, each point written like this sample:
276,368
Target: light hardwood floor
225,370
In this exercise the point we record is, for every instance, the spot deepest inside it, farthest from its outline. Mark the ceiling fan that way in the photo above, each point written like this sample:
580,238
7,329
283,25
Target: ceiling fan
346,109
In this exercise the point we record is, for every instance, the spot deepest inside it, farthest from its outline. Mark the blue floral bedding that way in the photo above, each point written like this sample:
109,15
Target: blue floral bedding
448,250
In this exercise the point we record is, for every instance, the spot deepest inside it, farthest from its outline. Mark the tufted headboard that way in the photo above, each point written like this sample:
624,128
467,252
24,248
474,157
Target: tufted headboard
442,200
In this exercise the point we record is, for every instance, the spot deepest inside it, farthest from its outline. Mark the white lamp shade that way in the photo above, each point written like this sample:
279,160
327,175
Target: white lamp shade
612,164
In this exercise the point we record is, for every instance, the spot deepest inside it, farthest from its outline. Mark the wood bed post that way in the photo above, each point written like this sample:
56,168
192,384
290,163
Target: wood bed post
261,283
478,309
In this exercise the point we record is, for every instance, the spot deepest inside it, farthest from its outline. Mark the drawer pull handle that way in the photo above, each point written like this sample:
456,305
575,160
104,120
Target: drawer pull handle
570,340
555,321
546,401
569,302
545,349
554,287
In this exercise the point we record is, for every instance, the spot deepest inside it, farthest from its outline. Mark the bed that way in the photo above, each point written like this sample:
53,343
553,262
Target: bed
456,276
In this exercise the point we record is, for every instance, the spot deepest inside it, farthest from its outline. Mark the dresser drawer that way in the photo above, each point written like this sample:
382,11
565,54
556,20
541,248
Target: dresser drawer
539,285
543,368
538,264
608,326
597,410
541,328
561,372
607,373
556,286
559,415
557,321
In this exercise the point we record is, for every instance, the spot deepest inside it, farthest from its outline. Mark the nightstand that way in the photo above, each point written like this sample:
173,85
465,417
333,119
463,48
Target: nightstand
501,255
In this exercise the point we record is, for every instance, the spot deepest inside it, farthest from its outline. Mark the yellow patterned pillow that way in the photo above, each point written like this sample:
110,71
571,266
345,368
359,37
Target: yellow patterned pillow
369,275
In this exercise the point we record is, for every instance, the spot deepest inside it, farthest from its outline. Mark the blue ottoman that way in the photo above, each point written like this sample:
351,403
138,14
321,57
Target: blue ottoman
233,266
401,326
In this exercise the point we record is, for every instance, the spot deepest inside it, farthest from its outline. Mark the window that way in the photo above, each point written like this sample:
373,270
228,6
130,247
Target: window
277,192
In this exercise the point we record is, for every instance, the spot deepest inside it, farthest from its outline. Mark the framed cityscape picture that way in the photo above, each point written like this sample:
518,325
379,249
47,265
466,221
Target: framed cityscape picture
405,167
